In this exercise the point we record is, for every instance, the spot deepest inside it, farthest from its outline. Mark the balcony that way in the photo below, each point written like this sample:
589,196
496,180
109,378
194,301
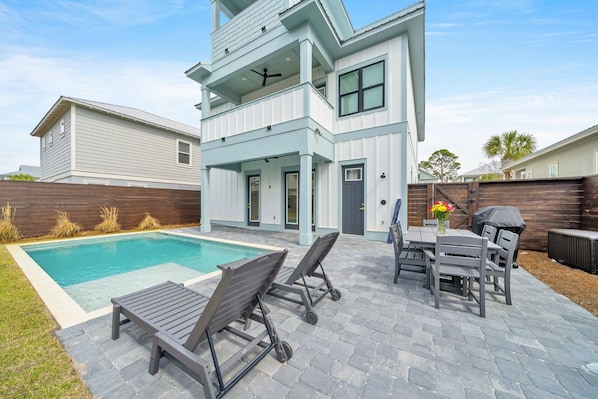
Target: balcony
294,103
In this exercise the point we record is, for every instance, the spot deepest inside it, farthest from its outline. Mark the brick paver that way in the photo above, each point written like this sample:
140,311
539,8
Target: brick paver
380,340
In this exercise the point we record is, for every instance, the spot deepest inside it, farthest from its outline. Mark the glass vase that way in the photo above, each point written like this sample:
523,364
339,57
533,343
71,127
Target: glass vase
441,227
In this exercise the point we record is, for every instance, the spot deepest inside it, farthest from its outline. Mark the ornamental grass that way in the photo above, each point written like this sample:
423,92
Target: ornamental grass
109,222
149,223
8,231
64,227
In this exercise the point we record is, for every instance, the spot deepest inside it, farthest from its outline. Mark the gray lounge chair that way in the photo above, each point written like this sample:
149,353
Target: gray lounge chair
306,281
180,319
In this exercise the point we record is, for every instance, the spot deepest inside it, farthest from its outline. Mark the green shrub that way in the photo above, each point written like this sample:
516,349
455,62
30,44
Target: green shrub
149,223
64,227
8,231
109,222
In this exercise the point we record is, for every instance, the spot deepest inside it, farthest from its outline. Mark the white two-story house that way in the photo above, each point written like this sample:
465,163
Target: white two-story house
308,124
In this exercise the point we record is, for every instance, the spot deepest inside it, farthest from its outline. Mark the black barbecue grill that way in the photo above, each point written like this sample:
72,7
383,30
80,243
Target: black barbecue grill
501,217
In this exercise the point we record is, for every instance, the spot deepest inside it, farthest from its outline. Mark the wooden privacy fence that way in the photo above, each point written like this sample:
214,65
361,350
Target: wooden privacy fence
36,205
567,203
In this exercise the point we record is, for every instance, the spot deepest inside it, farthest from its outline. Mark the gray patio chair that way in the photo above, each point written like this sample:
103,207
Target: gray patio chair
490,232
306,281
462,257
499,267
410,259
434,223
180,319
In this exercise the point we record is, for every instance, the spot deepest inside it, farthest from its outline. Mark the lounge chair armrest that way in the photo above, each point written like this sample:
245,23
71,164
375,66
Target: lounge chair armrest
193,362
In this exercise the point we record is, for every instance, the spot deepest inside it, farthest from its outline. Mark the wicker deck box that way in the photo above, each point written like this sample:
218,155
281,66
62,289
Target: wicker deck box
577,248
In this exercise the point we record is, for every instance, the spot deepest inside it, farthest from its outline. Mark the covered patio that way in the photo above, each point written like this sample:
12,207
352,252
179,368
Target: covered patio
379,340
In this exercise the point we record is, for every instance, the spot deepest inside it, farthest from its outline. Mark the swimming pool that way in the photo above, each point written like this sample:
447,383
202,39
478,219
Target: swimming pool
90,271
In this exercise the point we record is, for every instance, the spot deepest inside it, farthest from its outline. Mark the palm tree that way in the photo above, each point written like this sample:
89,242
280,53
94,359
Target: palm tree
509,146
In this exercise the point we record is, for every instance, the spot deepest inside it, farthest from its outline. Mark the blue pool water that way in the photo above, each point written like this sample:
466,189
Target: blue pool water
94,270
79,261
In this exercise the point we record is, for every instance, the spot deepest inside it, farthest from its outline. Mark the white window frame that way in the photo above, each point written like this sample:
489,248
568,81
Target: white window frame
357,169
554,165
522,174
529,174
62,128
43,142
50,138
178,152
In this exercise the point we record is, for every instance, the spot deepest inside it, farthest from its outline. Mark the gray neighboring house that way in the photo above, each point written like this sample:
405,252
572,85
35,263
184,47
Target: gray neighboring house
574,156
423,176
23,169
89,142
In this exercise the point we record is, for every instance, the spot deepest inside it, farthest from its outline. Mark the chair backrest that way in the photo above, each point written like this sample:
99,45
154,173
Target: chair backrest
237,293
434,223
507,240
490,232
396,235
314,256
462,251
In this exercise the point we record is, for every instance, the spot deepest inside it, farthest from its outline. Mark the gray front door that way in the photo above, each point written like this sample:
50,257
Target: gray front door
353,199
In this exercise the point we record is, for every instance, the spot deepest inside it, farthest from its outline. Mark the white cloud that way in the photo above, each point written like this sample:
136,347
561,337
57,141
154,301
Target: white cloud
462,124
35,83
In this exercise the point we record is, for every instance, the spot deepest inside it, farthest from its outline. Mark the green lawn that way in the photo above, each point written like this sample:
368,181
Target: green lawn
33,363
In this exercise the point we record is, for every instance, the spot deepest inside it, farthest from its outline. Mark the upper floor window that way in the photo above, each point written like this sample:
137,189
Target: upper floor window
362,89
43,142
554,170
50,138
183,152
62,128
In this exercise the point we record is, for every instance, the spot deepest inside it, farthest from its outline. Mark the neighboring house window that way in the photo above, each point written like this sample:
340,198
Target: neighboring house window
62,128
43,142
50,138
362,90
596,155
554,170
522,174
529,174
183,152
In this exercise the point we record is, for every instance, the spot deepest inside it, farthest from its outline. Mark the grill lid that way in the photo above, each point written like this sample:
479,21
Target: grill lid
497,216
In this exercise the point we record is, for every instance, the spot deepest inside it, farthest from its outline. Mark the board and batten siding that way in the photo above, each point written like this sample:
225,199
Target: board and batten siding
119,147
394,110
55,159
382,154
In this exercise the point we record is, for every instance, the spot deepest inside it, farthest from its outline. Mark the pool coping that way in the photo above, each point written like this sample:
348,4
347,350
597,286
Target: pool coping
65,310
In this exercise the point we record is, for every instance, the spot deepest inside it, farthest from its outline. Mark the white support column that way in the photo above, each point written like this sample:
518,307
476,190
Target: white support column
215,15
305,210
306,61
206,223
206,106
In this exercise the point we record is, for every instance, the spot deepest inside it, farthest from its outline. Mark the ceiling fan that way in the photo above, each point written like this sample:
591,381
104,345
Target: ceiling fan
266,76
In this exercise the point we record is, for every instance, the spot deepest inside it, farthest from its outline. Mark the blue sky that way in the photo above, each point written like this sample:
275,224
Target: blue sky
491,66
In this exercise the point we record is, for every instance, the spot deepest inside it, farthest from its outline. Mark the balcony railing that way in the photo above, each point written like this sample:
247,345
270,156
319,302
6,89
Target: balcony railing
291,104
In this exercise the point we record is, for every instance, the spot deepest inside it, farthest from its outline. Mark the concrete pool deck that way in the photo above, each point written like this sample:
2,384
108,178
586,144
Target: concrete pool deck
380,340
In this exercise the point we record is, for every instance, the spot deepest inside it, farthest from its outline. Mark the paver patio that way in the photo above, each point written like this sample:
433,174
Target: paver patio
380,340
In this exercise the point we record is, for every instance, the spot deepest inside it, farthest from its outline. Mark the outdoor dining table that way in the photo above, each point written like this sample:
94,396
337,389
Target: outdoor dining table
425,238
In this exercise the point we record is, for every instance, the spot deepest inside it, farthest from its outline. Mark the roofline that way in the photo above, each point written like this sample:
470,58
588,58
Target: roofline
48,117
556,146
